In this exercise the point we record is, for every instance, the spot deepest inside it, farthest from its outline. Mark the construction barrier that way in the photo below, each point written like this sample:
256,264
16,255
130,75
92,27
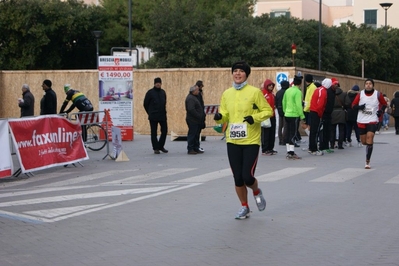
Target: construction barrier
210,111
93,118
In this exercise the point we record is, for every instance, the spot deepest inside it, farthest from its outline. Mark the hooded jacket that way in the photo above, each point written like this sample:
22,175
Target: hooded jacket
269,96
318,101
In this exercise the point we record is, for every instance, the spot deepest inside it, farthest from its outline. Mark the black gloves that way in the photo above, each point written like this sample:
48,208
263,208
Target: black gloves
379,113
217,116
360,107
249,119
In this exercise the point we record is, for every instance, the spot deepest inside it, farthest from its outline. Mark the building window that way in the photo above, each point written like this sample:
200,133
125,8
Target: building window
370,18
275,14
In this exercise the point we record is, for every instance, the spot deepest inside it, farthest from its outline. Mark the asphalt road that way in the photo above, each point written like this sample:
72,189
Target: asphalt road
178,209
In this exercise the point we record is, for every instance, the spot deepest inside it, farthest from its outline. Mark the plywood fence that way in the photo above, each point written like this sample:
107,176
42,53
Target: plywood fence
176,83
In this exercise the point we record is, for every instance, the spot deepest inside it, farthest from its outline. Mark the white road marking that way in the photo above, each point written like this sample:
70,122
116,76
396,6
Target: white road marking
40,190
84,196
151,176
206,177
281,174
342,175
51,213
86,178
33,219
36,179
394,180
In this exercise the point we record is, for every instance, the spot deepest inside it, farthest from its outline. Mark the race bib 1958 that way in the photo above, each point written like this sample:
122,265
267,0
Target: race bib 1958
238,131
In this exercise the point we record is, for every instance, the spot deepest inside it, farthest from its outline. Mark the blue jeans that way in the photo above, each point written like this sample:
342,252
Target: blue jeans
385,119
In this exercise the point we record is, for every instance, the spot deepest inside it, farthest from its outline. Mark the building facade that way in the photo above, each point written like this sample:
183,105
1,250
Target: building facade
334,12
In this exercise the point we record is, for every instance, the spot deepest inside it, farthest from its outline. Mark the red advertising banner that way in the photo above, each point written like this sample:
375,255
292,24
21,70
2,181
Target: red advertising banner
6,165
46,141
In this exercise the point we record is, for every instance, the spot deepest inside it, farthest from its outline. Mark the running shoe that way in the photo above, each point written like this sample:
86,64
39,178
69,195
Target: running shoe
317,153
292,157
367,166
328,151
271,152
359,144
243,213
260,201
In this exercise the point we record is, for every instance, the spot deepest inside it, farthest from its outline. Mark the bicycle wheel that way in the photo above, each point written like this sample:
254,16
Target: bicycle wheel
97,137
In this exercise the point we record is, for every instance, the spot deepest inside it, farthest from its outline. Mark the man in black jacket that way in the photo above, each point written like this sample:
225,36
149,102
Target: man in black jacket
155,106
48,104
27,102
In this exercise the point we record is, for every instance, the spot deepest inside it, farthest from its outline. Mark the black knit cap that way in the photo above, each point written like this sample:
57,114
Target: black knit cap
297,80
369,79
48,83
243,66
285,84
199,83
157,80
308,78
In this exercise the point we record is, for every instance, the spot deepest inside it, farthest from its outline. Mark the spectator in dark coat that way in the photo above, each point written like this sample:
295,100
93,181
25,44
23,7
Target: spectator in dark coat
27,102
351,121
48,104
279,105
155,106
395,110
200,97
338,118
194,119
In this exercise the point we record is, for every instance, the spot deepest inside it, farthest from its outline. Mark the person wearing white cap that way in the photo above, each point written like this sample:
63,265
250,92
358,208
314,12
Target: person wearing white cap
317,106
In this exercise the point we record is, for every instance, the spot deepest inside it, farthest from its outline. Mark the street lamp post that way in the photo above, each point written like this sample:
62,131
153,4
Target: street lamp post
293,49
320,6
97,35
386,6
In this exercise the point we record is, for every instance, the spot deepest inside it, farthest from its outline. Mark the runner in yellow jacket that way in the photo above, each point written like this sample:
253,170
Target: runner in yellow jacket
243,107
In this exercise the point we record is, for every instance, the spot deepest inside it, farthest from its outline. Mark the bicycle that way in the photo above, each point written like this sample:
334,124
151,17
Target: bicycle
96,134
96,137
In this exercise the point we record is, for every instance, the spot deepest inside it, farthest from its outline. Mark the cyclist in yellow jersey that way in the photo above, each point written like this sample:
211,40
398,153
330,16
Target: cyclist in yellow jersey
243,107
79,101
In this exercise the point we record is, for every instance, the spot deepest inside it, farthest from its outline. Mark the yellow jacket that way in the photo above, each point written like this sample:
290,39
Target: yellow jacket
308,98
235,105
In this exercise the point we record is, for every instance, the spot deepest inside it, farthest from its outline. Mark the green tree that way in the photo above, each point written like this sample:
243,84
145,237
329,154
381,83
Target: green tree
36,34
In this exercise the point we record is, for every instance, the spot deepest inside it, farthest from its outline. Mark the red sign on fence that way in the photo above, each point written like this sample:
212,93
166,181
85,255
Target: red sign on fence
45,141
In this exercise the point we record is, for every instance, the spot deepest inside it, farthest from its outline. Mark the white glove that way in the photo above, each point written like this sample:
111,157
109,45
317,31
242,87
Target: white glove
20,100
